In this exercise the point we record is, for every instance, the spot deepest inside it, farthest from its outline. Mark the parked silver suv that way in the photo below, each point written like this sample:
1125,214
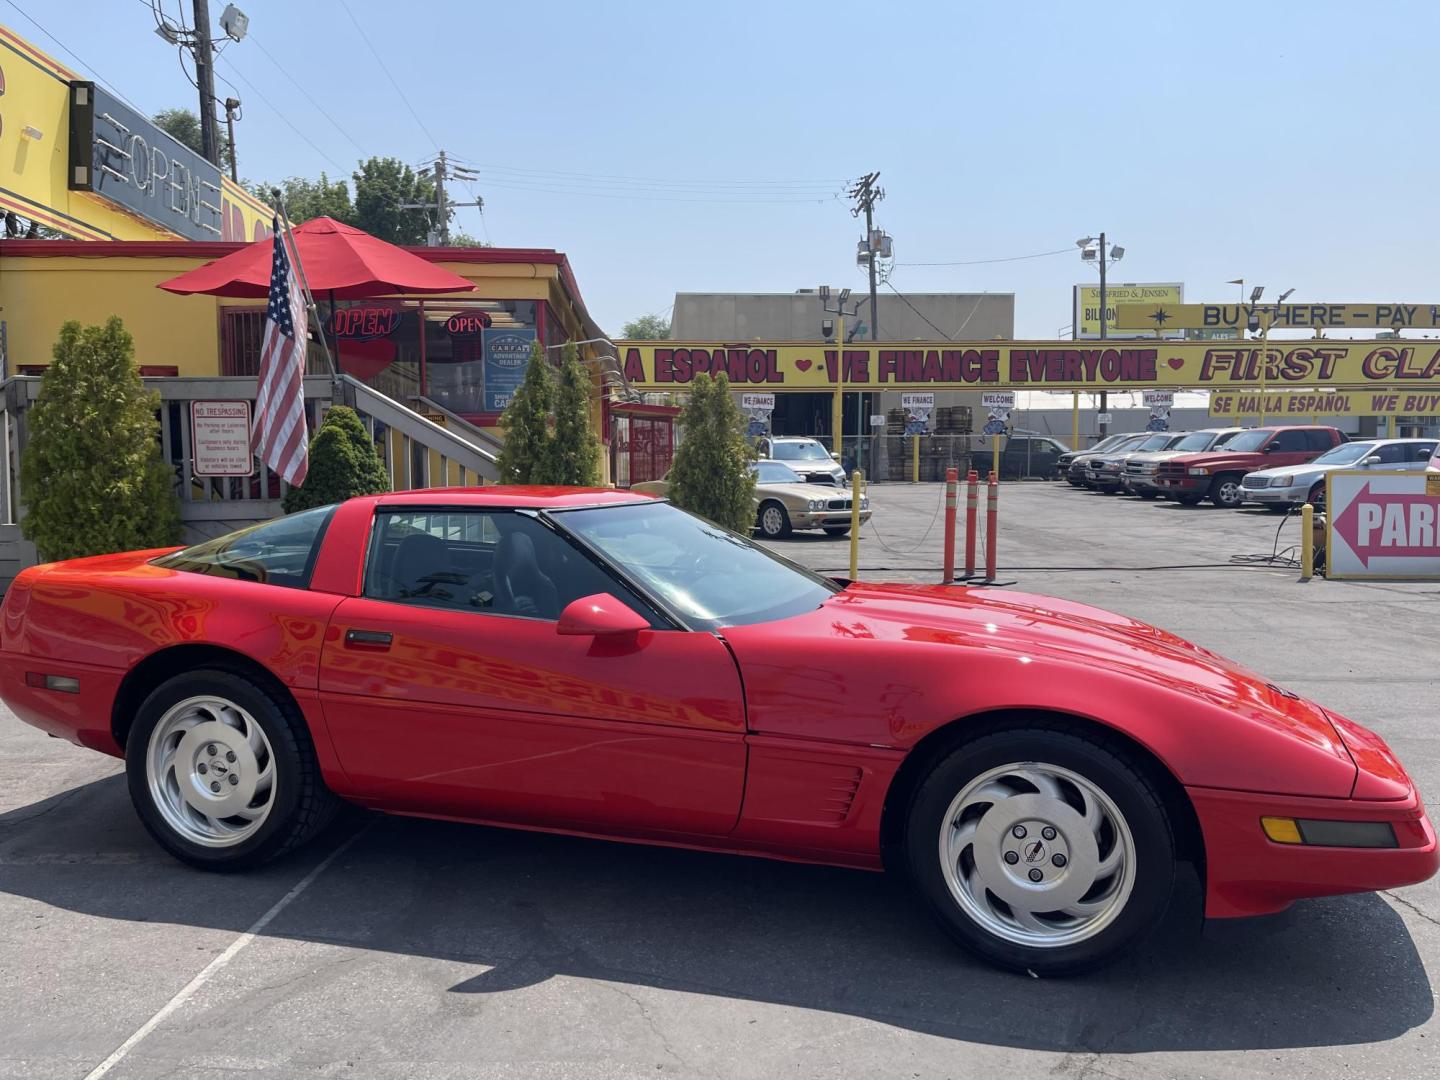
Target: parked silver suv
1290,485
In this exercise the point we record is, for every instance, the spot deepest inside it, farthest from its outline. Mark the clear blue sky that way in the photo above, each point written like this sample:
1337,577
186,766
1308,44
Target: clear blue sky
1291,144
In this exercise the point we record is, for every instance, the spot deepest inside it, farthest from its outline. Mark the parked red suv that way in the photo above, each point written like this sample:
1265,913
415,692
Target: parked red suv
1216,474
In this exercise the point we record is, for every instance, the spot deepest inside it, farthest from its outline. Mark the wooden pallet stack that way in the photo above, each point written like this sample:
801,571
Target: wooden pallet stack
949,444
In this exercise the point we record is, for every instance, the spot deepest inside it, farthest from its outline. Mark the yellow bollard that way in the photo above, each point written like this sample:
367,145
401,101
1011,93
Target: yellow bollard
1307,542
914,459
857,488
995,455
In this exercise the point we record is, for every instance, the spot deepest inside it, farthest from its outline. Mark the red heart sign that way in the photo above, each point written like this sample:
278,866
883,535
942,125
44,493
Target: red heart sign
1176,363
804,365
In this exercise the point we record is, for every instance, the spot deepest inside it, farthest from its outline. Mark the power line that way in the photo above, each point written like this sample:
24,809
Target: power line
379,60
982,262
917,311
825,185
278,112
294,82
655,196
70,53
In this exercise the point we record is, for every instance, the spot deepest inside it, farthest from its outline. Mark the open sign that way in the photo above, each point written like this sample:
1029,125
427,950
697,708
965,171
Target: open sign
467,322
364,322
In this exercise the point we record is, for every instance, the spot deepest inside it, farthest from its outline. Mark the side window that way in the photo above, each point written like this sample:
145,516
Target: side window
279,552
1390,453
1318,439
1292,441
491,561
1416,451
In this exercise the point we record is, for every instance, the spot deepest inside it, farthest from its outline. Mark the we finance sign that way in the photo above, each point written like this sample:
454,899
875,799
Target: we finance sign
1039,365
1381,526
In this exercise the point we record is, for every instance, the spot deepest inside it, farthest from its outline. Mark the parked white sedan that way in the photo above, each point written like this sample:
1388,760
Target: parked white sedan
1291,485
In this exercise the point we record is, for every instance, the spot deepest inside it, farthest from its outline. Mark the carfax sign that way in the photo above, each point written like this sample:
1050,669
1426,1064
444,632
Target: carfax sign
507,352
1381,525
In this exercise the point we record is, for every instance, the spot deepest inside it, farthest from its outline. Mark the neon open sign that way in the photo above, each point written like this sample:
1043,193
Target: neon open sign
467,323
364,322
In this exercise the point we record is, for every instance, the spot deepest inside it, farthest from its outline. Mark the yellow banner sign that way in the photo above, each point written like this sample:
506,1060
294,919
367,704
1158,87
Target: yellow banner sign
1338,403
1033,365
1168,316
1087,307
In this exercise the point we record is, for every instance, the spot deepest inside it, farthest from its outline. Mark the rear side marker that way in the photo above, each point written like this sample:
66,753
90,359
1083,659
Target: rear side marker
1307,831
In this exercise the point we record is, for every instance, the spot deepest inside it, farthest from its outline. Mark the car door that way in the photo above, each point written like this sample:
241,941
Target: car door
1389,457
1418,455
447,689
1289,447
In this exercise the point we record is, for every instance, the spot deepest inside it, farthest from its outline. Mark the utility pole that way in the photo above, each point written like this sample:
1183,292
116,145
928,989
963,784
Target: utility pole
865,195
1104,298
205,78
232,106
443,205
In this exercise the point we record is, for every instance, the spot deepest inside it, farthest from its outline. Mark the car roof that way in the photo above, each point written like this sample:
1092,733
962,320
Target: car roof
530,496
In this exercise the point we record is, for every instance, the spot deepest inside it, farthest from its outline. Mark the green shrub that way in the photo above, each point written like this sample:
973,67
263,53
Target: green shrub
526,420
92,476
343,464
573,454
711,473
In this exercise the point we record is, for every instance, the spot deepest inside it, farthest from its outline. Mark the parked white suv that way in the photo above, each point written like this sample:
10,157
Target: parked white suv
808,457
1290,485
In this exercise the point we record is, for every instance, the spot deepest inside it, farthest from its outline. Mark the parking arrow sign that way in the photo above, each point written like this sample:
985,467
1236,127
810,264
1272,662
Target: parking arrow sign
1382,524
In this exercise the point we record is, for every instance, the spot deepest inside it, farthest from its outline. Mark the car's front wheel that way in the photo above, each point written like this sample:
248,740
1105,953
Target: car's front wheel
1317,496
774,521
1226,491
222,771
1042,850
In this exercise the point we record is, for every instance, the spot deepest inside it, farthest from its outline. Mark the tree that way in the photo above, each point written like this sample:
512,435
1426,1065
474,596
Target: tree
92,475
573,456
464,239
183,126
711,473
306,199
526,420
382,188
343,464
647,328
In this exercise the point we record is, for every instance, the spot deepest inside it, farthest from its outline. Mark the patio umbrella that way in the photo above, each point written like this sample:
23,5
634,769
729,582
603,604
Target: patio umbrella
340,261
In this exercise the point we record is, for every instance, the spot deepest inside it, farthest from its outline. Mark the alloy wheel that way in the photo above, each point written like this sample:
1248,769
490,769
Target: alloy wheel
211,771
1037,855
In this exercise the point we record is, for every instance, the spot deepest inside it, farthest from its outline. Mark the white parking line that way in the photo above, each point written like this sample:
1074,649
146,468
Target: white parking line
188,990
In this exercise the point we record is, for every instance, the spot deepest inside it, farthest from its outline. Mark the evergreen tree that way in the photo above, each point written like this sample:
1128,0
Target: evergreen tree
573,456
343,464
526,420
711,473
92,475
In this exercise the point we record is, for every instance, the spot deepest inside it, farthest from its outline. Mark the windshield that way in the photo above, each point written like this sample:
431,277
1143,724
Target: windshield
710,577
1155,442
1251,440
772,472
1199,440
1344,454
805,450
1108,441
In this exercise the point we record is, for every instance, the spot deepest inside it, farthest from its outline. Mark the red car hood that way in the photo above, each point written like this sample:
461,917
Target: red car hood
1046,627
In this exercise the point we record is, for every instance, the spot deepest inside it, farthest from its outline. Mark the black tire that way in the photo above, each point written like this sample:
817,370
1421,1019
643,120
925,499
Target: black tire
1317,497
837,530
302,805
1104,763
1226,492
1189,500
772,526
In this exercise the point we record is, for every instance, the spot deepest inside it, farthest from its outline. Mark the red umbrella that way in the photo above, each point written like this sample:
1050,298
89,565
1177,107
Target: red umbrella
339,260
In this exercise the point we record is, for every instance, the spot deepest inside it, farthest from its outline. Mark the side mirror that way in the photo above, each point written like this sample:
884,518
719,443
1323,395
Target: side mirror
600,615
834,455
1373,459
1269,448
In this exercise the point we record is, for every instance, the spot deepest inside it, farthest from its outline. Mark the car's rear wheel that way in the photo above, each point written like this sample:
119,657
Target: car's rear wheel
774,520
223,773
1226,491
1042,850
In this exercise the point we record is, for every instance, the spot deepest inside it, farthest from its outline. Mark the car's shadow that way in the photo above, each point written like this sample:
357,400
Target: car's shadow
525,907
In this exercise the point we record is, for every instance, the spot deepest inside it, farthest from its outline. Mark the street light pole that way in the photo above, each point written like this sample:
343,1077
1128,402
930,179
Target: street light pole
1104,299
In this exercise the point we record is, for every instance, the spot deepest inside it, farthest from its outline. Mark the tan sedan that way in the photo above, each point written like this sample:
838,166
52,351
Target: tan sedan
783,502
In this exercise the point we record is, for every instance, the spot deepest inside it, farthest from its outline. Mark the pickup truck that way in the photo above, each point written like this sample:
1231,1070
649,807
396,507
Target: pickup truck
1218,474
1140,469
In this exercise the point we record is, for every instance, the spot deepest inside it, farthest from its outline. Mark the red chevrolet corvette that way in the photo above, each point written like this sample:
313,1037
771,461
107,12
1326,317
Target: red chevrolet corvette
596,662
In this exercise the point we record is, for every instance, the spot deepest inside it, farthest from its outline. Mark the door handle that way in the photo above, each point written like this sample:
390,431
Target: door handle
368,639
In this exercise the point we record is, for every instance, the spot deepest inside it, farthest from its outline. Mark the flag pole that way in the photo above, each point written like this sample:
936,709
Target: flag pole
288,239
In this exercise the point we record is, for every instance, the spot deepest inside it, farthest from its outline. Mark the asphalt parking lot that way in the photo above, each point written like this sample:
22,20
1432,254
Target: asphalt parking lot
401,948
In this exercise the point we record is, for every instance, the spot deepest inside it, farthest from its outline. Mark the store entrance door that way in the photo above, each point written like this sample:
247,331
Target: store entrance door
801,414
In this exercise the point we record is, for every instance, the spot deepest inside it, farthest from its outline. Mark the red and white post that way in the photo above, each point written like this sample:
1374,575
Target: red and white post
952,481
972,510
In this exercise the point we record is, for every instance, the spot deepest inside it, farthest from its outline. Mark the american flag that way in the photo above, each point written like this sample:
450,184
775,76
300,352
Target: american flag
279,437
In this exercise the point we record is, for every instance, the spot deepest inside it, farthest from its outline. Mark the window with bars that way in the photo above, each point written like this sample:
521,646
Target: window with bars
241,332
